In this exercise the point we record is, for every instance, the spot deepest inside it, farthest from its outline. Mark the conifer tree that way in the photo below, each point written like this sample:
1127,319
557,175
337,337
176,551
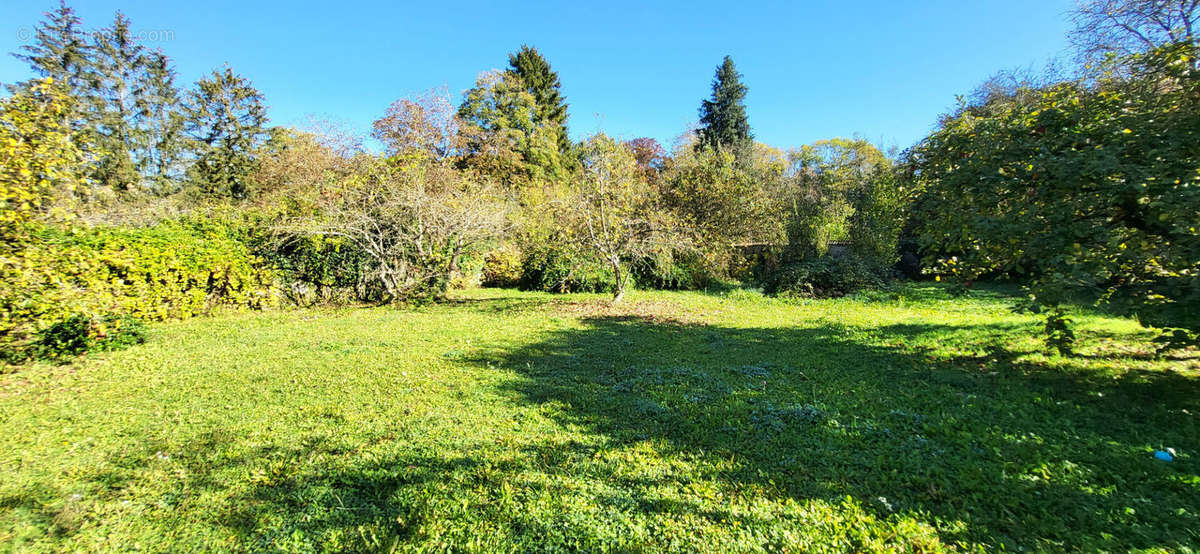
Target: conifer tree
499,121
543,84
59,50
164,125
225,116
723,118
120,105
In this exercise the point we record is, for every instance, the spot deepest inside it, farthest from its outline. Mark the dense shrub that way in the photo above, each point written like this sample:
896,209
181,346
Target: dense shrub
554,268
319,269
681,271
40,158
172,270
78,334
910,260
417,220
844,190
502,267
724,200
825,277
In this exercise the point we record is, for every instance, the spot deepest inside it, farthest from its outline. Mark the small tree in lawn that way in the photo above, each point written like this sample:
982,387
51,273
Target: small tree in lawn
617,216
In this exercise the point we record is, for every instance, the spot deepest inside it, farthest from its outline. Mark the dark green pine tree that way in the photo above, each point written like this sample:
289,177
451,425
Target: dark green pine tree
543,83
225,117
120,106
60,51
723,118
164,126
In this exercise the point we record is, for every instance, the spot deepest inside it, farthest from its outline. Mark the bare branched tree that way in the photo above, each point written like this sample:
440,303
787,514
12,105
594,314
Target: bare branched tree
1124,27
415,223
426,123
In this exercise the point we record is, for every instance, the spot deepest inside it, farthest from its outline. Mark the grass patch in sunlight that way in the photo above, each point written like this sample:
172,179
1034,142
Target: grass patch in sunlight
678,421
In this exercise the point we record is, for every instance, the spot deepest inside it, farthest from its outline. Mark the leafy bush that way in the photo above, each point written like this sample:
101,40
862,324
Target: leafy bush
502,267
61,277
675,272
724,200
319,269
844,190
555,268
1090,188
416,220
40,159
825,277
80,333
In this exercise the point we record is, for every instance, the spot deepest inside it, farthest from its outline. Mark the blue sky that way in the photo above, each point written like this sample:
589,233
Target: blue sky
880,69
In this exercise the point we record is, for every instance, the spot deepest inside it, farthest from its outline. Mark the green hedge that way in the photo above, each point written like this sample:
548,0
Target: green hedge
168,271
555,268
824,277
320,270
682,271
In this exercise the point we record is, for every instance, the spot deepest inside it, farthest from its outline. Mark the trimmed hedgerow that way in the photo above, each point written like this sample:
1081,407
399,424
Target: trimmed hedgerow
79,278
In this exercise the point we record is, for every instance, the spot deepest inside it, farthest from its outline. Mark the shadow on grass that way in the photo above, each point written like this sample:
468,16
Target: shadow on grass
994,448
1022,453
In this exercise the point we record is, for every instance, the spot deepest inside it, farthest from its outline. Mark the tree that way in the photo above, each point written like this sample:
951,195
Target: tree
121,106
60,54
426,125
1086,193
503,133
165,144
59,51
843,190
650,156
225,117
725,202
415,223
1126,27
297,166
616,215
550,107
723,121
40,162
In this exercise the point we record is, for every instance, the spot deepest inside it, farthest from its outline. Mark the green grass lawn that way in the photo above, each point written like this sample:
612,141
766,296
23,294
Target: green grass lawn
508,421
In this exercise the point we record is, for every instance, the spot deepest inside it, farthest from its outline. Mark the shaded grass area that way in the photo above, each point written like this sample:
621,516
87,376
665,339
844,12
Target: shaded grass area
507,421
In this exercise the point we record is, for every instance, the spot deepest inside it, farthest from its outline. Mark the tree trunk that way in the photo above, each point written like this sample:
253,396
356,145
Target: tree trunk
619,288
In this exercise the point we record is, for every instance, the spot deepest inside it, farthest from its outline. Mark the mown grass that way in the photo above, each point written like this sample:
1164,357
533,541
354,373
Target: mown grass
507,421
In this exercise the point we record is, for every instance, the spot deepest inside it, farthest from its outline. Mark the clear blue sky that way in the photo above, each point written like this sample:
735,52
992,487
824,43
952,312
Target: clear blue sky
881,69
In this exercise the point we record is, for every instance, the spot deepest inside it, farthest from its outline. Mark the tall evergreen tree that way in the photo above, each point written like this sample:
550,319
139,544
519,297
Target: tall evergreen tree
225,115
121,105
543,83
59,50
164,125
723,118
